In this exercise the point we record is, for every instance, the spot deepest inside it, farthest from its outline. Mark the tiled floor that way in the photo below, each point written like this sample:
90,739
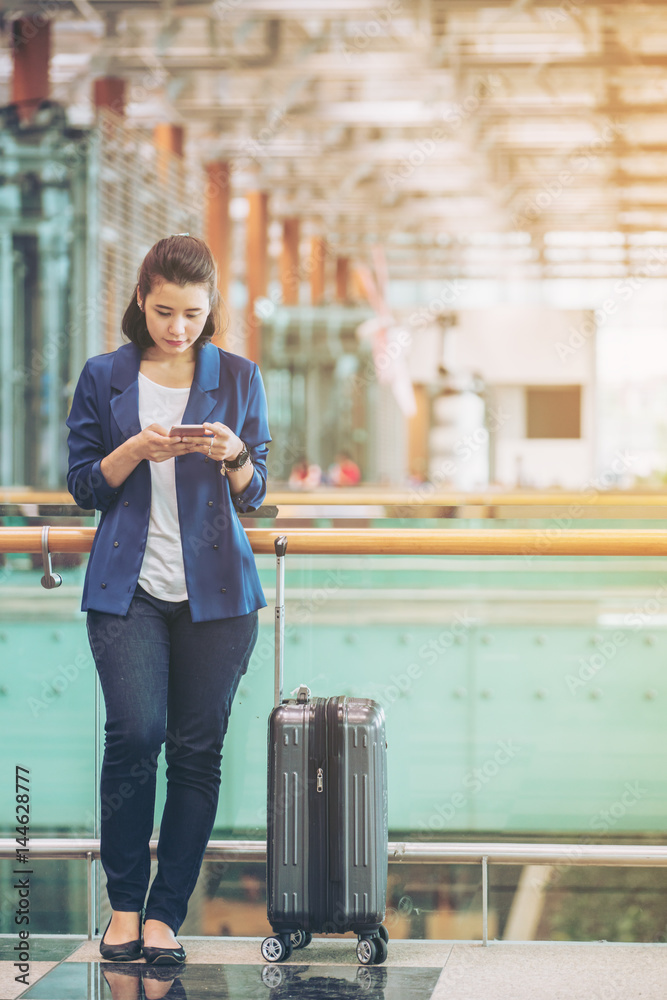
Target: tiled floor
66,968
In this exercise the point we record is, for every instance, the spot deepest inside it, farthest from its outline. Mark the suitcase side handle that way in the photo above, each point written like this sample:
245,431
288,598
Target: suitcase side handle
280,545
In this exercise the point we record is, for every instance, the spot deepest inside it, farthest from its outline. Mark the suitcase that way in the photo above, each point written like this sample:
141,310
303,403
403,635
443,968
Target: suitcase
327,815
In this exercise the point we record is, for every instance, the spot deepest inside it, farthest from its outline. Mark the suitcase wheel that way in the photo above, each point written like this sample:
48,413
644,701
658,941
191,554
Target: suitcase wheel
272,976
301,939
370,982
384,933
372,950
276,949
366,951
382,951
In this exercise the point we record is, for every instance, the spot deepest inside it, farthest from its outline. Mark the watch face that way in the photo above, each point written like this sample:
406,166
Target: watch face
240,460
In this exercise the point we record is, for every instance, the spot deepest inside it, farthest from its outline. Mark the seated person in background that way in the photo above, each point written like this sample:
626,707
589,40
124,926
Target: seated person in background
344,471
304,476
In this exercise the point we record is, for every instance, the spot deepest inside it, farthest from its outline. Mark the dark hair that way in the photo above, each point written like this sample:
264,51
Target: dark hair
180,260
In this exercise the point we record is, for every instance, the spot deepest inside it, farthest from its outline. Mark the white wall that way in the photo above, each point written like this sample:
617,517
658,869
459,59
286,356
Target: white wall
512,347
517,345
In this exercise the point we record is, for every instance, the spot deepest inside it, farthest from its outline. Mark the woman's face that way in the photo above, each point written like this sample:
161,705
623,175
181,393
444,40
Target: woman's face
175,317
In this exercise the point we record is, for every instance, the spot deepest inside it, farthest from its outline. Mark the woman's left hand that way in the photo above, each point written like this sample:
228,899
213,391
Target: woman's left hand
224,443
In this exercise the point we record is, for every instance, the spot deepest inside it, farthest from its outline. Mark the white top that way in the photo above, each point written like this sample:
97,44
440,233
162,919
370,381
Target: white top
162,571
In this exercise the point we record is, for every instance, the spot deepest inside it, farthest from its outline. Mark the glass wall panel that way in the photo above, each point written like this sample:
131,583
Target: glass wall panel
523,703
57,900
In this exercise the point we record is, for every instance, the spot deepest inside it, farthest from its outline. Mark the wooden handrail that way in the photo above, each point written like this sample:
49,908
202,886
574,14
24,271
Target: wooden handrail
10,494
380,541
419,496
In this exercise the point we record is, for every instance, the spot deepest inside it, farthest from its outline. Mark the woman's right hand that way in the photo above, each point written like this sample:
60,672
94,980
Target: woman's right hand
154,444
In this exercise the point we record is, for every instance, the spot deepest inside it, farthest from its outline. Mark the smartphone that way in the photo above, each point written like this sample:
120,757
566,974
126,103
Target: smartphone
189,430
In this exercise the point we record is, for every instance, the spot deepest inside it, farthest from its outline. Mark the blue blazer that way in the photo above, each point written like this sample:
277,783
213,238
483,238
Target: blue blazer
220,572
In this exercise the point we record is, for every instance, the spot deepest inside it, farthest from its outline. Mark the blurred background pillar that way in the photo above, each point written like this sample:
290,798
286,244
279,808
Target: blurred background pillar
217,231
418,431
169,167
169,138
289,263
342,276
256,264
109,92
318,252
31,53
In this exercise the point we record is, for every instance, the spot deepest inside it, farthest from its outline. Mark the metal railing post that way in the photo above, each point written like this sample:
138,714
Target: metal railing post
89,886
97,823
94,899
485,900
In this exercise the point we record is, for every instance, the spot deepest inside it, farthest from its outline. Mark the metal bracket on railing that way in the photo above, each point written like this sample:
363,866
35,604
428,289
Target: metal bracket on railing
50,579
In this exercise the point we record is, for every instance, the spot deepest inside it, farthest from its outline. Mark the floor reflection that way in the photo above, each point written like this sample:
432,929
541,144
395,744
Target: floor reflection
42,949
126,982
134,981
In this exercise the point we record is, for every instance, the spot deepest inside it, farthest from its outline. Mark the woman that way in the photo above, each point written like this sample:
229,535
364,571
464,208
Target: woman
171,589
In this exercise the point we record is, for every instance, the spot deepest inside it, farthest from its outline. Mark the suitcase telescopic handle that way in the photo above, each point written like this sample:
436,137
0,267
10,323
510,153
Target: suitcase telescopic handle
280,545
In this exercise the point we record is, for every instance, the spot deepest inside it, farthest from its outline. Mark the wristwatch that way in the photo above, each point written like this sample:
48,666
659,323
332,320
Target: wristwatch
241,460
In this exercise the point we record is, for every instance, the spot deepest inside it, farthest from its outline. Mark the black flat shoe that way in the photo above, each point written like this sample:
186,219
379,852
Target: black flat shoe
128,951
164,956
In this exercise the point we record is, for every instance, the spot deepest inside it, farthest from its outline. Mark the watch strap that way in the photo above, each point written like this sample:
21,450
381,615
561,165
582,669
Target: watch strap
241,459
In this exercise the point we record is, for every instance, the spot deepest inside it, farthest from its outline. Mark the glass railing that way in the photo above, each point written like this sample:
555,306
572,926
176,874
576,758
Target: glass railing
522,693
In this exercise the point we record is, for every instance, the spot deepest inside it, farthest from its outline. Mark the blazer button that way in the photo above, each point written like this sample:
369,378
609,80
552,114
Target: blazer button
216,546
115,545
206,459
223,590
126,503
103,585
210,503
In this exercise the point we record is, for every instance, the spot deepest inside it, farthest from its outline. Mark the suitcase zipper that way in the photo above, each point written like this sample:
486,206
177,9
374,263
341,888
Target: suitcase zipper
319,838
335,796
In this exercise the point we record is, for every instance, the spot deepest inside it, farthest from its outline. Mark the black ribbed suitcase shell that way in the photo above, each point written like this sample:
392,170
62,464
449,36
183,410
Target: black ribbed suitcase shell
326,820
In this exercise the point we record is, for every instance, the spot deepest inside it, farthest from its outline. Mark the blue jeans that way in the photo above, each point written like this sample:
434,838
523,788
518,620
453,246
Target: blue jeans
165,680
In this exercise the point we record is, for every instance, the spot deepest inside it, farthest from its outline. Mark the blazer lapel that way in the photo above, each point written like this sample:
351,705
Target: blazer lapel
124,379
203,398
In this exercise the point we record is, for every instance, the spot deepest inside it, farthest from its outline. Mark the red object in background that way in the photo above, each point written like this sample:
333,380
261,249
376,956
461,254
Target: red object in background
305,476
345,472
